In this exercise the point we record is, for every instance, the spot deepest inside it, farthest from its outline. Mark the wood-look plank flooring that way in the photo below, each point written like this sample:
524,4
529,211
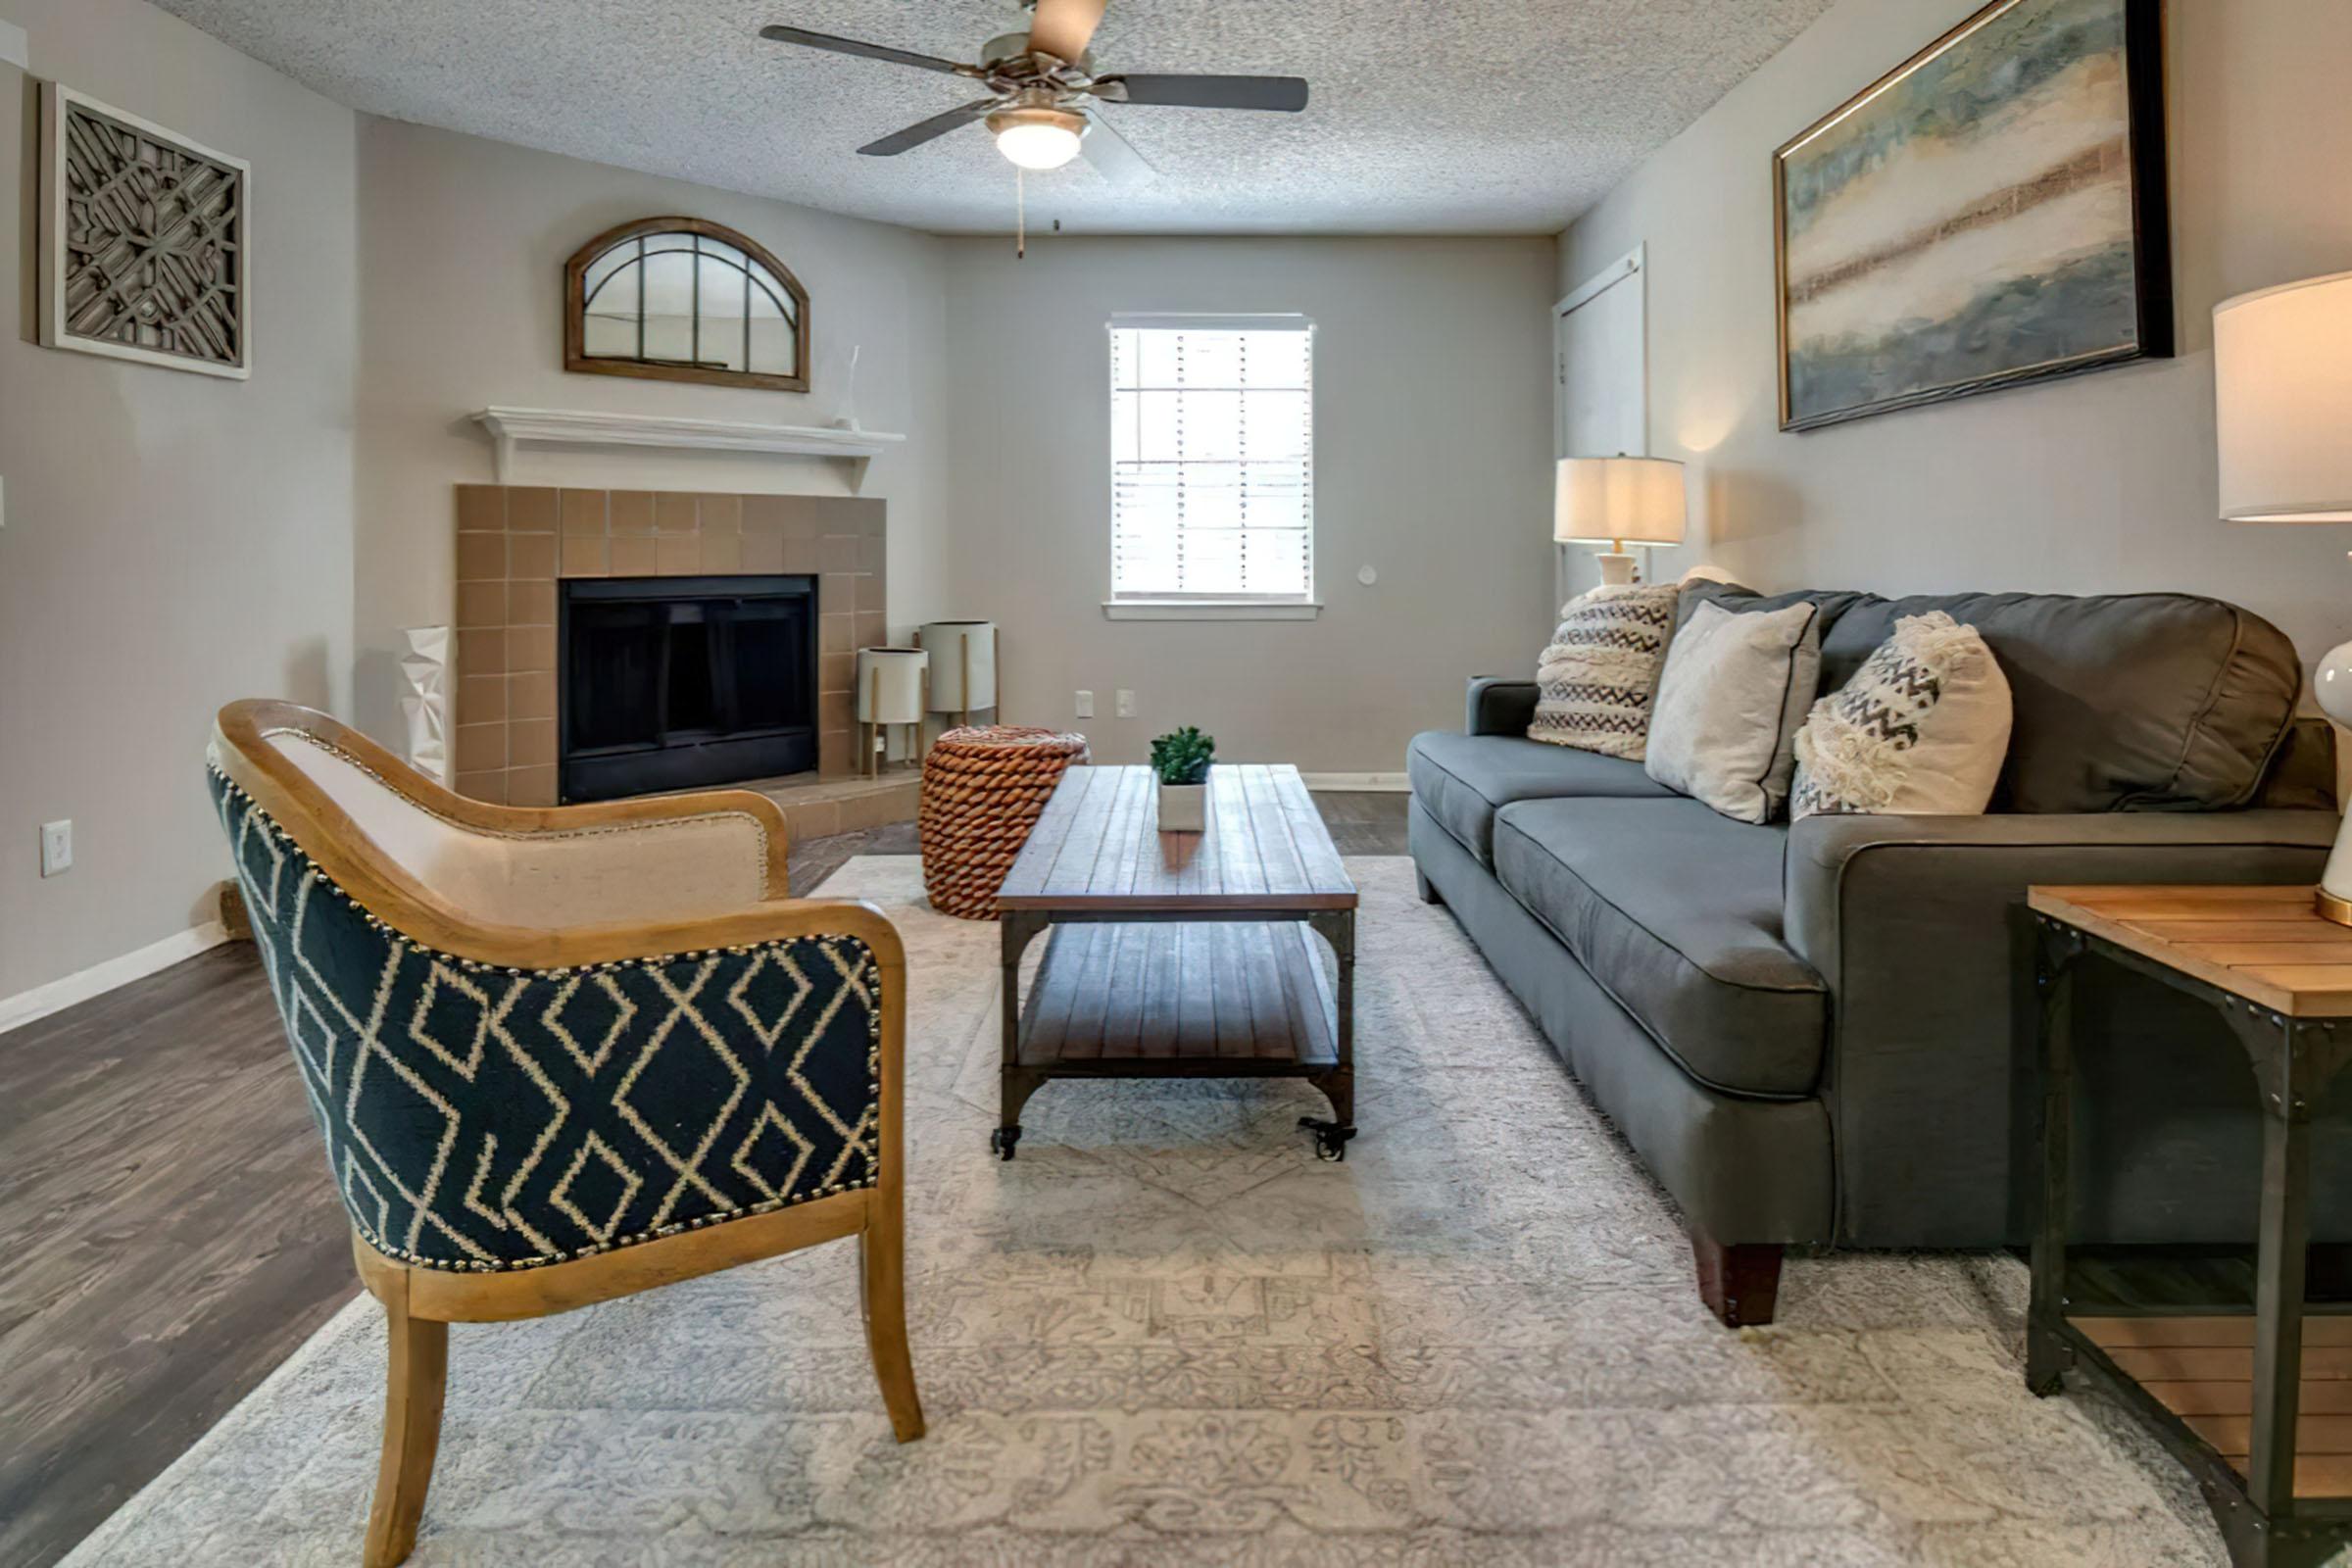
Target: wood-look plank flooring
168,1229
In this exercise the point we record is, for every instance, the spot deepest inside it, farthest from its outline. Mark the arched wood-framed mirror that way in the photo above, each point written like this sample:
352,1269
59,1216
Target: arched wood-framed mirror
682,299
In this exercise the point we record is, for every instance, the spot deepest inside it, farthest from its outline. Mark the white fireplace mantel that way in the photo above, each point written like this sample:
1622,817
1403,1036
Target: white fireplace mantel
511,427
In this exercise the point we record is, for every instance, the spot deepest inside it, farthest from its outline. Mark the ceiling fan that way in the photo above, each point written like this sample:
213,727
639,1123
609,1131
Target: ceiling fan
1043,103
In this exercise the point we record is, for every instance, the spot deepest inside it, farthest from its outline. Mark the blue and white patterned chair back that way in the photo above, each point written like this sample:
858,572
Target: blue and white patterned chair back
489,1115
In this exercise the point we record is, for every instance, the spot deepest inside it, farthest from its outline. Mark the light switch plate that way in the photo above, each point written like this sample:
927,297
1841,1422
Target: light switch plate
1126,704
1086,705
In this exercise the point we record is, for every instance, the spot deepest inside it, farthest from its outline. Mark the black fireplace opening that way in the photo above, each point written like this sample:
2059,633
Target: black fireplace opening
672,683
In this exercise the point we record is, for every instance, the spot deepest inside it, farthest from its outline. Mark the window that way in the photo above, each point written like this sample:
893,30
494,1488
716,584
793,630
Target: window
1212,465
678,299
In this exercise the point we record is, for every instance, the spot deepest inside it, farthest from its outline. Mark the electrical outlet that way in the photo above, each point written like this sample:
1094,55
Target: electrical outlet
1126,704
57,847
1086,705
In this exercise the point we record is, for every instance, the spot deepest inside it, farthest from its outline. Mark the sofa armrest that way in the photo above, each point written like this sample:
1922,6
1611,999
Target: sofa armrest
1499,705
1909,920
2104,847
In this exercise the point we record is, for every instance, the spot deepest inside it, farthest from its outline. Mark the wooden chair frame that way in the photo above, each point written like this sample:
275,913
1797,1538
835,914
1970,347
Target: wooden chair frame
420,1303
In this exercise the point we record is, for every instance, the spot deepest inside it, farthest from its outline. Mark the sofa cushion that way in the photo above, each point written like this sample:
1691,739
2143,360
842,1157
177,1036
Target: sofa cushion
2123,702
1463,780
1675,910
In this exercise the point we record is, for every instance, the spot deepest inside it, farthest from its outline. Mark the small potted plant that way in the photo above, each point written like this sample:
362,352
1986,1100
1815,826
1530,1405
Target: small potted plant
1181,758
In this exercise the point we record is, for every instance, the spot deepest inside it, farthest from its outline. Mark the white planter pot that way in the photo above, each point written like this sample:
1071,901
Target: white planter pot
1183,808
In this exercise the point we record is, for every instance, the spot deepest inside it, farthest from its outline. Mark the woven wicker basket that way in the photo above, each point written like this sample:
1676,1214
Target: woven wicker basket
984,789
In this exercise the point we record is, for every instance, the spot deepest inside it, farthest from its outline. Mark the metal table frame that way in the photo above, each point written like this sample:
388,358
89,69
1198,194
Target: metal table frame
2294,1060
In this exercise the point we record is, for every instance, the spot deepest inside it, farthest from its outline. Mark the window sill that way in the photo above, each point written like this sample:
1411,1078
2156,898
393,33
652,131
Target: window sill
1210,610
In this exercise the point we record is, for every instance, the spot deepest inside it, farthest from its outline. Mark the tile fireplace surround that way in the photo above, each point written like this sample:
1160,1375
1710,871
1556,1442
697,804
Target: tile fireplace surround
515,542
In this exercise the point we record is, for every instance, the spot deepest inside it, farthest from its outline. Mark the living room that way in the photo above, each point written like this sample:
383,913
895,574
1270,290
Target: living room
1606,1119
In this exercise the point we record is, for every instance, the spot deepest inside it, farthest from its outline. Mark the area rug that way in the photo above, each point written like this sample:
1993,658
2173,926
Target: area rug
1167,1335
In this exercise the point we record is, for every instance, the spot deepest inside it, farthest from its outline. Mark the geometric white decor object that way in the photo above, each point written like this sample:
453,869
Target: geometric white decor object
144,243
425,699
964,664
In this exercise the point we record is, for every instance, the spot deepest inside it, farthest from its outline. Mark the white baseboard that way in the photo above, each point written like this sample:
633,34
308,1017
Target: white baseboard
99,978
1366,783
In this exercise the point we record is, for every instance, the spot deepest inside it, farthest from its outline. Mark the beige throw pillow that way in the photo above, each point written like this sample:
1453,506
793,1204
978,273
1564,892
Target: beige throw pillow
1735,690
1920,730
1595,682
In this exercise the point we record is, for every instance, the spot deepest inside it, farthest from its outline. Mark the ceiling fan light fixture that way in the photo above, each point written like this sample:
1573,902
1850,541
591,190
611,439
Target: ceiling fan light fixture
1038,138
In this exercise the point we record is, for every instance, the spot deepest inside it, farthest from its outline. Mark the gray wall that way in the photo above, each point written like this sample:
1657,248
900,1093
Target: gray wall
463,244
2101,482
1431,448
173,541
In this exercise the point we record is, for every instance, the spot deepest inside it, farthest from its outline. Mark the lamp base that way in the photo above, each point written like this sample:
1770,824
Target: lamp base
2328,906
1616,568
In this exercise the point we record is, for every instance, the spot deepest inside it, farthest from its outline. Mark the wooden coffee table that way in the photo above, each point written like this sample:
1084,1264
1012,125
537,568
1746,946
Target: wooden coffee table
1181,955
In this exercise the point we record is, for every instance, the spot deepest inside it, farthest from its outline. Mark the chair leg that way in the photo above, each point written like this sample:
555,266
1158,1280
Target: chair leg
882,1294
415,1381
1739,1283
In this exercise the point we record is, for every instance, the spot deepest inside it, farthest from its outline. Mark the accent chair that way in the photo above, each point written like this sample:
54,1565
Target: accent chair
562,1056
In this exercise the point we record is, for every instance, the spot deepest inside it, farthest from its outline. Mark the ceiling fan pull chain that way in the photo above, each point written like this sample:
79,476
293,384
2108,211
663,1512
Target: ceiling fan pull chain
1020,214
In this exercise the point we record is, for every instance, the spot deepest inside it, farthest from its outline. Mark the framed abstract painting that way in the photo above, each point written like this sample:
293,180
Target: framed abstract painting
1989,212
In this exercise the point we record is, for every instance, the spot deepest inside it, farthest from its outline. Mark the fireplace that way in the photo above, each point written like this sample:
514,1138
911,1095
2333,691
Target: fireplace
671,683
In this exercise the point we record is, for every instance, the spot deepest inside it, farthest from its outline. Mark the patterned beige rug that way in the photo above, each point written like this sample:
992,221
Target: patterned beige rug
1167,1336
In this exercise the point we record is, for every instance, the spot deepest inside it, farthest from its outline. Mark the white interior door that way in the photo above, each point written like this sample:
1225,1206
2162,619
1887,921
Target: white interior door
1602,373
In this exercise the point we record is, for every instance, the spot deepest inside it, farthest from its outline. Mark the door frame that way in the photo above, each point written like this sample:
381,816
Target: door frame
1632,266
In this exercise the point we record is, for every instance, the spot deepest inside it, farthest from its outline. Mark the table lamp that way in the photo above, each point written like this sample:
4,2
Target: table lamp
2283,410
1615,502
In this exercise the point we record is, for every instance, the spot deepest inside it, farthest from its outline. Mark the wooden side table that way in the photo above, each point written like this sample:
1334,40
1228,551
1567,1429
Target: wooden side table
2225,1390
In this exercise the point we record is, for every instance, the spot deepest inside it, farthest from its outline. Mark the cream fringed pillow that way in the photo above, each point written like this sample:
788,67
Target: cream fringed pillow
1920,730
1595,682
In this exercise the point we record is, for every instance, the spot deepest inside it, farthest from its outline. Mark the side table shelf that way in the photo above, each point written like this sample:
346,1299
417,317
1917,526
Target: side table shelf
2257,1405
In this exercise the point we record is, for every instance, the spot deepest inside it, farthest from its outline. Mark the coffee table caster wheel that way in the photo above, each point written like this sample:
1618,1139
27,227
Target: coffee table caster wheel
1331,1139
1002,1140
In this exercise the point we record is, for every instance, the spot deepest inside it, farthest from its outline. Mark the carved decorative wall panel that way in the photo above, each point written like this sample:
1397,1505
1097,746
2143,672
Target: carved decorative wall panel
144,244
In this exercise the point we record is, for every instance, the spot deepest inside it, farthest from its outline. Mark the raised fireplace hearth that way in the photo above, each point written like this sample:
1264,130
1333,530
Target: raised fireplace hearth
670,683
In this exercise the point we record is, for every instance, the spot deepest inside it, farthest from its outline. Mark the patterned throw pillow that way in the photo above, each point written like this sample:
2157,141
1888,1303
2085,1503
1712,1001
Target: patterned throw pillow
1595,682
1920,730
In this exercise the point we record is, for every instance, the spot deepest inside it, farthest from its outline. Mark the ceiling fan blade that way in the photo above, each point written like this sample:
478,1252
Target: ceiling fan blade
1114,156
937,125
869,51
1062,29
1286,94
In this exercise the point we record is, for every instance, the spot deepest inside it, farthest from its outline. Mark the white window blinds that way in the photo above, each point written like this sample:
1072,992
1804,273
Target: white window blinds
1212,457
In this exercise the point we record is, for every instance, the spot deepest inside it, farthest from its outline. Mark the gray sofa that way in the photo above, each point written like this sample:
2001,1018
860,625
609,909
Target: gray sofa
1805,1032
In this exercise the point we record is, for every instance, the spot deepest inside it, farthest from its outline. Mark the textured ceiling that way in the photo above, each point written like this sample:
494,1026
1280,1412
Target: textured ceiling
1471,117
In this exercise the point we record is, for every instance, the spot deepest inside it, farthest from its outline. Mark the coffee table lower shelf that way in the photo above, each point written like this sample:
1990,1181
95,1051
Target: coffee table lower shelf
1187,998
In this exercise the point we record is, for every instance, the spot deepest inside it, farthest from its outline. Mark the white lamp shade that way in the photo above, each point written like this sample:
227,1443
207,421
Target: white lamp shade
2282,401
1638,500
956,647
890,685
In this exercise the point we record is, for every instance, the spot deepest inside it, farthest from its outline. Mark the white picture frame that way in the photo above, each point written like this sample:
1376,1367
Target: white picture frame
60,107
